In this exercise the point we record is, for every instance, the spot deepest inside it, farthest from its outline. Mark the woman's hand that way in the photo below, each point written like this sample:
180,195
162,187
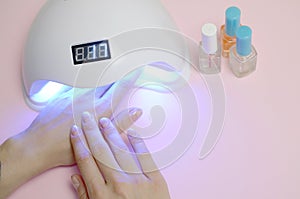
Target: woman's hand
112,168
46,143
48,134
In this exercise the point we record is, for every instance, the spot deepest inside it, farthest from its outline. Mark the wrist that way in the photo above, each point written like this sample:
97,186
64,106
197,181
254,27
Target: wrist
20,161
33,152
51,150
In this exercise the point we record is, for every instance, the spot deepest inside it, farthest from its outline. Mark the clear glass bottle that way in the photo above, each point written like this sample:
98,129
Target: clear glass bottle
243,56
209,50
228,30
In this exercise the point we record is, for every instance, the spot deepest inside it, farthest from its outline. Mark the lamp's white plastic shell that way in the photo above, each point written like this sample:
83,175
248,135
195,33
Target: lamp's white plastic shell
134,28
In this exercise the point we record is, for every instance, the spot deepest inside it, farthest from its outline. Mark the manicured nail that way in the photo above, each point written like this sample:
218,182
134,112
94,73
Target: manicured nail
86,116
75,182
104,122
74,131
135,113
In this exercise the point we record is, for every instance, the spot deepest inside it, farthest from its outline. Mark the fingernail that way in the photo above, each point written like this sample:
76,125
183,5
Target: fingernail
135,113
74,131
75,182
86,116
104,122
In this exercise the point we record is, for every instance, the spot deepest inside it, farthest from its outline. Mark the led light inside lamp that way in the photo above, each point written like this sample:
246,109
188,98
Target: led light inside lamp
43,91
76,43
159,75
166,74
47,92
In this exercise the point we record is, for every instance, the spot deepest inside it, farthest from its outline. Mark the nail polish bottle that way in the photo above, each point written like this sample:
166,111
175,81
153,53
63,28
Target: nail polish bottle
243,56
228,30
209,50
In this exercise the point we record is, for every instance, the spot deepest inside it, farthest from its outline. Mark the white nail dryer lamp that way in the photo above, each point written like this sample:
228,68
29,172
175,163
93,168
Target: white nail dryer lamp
91,43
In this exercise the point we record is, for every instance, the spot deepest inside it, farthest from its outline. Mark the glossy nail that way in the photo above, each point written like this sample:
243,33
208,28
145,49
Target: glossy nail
75,182
74,131
104,122
86,116
135,113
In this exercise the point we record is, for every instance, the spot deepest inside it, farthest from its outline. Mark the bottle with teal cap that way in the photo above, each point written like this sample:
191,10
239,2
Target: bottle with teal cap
243,56
228,30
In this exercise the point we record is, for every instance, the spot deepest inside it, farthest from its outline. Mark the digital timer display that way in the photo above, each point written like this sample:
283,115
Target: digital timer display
91,52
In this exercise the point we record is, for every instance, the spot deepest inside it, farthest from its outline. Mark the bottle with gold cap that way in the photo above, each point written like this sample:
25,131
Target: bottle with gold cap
228,30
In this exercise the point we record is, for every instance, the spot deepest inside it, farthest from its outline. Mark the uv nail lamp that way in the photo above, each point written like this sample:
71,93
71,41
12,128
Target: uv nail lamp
91,43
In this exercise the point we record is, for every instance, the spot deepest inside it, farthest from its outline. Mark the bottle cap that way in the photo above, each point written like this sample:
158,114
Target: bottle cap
243,40
209,38
233,15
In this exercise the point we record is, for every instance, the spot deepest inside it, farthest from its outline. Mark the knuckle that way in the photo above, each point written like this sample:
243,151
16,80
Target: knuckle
103,107
120,151
123,124
144,184
99,153
159,183
95,190
84,157
88,126
83,196
98,195
106,101
98,150
110,130
123,189
125,84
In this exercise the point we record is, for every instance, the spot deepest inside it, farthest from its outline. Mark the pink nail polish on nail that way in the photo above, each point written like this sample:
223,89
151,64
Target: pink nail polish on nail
74,130
135,113
86,116
104,122
75,182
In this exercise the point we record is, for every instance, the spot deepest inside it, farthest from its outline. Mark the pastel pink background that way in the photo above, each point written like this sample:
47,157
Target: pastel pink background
258,153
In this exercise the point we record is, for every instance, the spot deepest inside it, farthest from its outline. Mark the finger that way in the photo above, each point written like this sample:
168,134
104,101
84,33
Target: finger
100,91
126,118
120,150
95,92
85,161
89,94
144,157
100,149
113,96
79,186
83,156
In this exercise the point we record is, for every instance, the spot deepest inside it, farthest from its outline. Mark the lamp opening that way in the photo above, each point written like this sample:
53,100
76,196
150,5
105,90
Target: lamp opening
152,77
42,91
